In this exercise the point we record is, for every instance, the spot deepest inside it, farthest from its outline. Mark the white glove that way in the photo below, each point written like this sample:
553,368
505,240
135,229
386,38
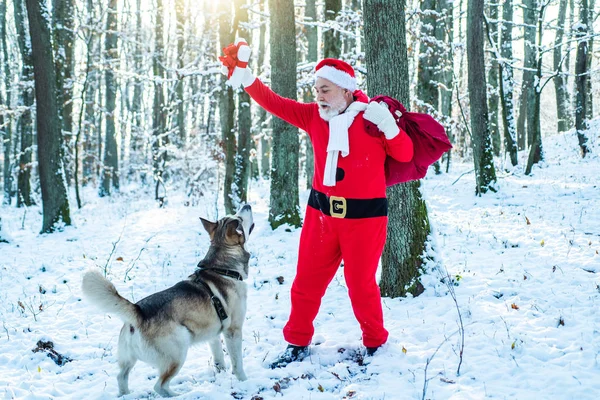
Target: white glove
380,115
241,76
248,78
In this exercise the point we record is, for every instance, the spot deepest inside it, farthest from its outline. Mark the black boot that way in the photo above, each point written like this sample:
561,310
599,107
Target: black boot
372,350
291,353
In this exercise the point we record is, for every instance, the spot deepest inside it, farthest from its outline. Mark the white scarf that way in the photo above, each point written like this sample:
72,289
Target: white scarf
338,139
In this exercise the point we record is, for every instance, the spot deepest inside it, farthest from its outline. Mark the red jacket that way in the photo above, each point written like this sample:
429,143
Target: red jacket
363,169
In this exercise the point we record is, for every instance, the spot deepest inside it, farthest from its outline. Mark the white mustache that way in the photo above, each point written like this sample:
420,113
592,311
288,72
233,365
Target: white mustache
323,104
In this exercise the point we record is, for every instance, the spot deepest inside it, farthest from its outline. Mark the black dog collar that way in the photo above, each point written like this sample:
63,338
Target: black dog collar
225,272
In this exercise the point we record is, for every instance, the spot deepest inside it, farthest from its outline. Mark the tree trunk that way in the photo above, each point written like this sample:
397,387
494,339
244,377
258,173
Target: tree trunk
589,108
570,36
529,63
350,43
461,87
560,80
485,174
227,112
493,98
447,75
2,239
429,63
332,45
110,172
507,83
86,112
90,126
312,34
25,122
159,113
242,169
63,22
408,224
138,149
536,153
52,180
265,142
181,16
5,123
284,208
581,77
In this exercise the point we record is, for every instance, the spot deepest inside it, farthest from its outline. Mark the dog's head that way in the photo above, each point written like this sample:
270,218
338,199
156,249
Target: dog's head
232,230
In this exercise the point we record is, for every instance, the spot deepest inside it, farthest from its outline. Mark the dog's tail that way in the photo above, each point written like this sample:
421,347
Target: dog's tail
104,295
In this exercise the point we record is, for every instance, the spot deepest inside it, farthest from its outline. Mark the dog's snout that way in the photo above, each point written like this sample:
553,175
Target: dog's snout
246,207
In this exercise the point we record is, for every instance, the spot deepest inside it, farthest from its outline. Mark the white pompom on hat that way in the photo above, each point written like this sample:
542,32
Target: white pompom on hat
337,71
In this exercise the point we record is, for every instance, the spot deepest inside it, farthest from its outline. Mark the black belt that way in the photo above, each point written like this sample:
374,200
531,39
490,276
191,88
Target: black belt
340,207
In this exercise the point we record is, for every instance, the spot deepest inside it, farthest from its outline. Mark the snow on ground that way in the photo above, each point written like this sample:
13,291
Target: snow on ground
524,262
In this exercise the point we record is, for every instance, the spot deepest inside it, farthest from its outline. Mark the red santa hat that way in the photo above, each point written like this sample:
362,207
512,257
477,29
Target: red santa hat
337,71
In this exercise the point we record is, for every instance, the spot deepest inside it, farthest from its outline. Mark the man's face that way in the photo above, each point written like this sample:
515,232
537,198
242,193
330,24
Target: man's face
331,98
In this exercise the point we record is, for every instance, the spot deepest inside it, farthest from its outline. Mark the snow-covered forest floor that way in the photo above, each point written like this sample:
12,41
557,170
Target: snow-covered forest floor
524,264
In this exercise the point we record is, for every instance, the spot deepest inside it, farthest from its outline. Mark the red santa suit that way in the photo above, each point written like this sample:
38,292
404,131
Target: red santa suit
346,221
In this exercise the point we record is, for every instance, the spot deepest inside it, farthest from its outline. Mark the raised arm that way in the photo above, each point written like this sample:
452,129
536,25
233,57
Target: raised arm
235,62
291,111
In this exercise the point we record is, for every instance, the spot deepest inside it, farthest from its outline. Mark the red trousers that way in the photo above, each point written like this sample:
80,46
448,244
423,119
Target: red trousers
324,242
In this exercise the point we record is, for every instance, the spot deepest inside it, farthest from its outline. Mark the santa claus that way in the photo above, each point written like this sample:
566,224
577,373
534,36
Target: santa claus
346,217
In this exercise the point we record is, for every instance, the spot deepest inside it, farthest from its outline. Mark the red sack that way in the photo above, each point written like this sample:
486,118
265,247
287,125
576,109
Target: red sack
429,140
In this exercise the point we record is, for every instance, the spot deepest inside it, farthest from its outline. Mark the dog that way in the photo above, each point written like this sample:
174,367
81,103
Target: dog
160,328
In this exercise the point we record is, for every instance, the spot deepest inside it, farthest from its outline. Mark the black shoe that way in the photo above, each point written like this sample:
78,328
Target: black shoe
372,350
291,353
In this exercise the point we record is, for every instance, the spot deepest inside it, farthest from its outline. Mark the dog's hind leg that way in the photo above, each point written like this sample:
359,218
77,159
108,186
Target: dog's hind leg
123,377
233,341
166,374
217,352
126,360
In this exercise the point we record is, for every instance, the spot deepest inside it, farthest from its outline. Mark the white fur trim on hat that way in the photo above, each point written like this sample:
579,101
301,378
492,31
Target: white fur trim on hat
337,76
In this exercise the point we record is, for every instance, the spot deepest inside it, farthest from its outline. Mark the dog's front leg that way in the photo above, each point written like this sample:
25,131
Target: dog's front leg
233,341
217,352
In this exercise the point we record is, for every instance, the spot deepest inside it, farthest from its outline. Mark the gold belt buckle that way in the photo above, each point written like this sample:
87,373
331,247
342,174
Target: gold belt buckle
337,207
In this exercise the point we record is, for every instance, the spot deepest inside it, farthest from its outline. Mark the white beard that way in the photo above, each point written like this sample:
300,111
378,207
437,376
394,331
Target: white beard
334,108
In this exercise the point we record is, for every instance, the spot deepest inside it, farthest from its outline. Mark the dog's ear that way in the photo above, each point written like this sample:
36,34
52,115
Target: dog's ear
209,226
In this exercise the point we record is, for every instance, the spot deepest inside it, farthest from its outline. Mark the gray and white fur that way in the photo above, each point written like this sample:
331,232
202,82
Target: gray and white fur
160,328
